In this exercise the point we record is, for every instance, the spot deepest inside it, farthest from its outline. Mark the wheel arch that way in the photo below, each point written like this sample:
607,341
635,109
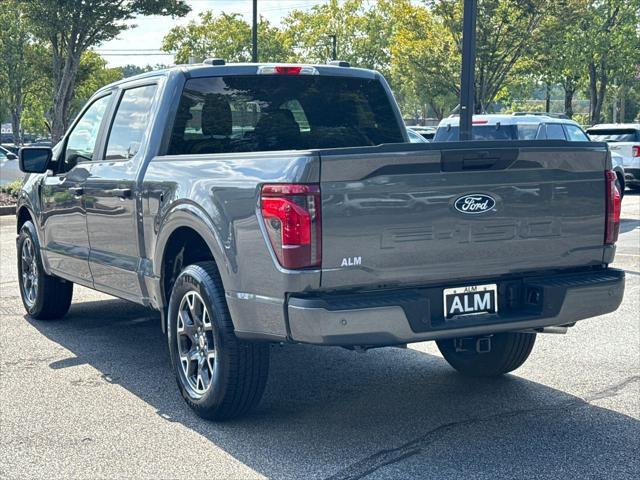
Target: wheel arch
186,236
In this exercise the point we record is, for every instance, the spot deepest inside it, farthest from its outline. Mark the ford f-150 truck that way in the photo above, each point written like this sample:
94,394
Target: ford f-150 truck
260,203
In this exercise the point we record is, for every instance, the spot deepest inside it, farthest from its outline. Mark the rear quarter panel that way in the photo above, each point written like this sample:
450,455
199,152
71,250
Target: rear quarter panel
221,193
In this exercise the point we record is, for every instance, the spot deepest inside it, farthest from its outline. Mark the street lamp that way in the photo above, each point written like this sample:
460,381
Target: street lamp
467,78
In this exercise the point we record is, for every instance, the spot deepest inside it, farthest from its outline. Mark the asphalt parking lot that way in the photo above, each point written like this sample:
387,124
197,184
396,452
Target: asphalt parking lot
92,396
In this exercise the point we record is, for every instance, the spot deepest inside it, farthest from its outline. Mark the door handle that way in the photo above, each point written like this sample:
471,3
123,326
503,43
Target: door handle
77,191
120,192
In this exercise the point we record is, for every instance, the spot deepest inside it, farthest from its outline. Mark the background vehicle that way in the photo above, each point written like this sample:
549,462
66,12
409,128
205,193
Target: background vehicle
9,168
516,126
415,137
218,195
624,140
426,132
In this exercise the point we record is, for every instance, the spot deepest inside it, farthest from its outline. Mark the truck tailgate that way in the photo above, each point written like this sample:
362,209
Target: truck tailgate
400,214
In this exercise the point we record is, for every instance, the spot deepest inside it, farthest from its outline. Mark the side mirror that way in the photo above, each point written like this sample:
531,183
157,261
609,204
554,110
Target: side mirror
35,159
11,156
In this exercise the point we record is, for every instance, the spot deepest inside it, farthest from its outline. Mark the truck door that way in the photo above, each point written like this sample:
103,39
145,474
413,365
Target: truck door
111,195
66,244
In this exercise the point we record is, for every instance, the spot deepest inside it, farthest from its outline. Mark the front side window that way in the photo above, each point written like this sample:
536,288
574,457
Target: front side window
81,143
575,134
275,112
130,123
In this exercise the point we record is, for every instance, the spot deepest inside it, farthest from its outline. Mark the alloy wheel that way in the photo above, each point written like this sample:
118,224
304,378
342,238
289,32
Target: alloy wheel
196,347
29,272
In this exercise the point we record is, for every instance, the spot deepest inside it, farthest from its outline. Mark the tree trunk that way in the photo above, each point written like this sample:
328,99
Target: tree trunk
16,117
622,101
64,91
568,100
547,100
597,90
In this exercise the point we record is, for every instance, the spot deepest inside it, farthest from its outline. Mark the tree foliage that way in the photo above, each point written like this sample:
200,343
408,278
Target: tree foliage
225,36
71,27
18,69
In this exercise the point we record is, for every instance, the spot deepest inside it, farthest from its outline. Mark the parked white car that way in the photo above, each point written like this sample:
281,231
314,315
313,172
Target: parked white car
623,140
526,126
513,127
9,169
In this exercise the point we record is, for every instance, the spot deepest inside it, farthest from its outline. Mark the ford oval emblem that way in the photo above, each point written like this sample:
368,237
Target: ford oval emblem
474,203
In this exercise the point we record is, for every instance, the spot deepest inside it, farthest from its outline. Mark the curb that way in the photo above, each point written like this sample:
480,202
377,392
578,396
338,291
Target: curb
8,210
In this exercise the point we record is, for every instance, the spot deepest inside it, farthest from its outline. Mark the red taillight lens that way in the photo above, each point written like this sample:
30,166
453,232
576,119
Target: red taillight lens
291,214
283,70
635,151
614,204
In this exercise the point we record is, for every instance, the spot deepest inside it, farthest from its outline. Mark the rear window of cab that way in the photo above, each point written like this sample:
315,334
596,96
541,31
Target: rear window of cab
281,112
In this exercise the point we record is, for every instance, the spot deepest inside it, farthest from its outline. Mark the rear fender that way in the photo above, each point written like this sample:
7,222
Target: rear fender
186,214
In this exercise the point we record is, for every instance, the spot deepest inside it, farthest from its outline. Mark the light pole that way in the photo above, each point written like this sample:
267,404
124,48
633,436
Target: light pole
334,47
254,33
467,78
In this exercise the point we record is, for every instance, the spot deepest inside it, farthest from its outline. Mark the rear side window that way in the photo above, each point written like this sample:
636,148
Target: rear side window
448,133
575,134
130,122
615,135
275,112
555,132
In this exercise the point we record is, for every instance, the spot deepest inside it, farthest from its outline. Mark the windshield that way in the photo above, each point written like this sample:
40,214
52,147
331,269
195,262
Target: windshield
614,135
276,112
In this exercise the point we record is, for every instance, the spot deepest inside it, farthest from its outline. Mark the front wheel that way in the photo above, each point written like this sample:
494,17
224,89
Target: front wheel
507,352
43,296
219,375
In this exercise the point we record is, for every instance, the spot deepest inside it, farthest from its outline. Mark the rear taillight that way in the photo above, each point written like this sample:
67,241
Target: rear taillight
291,214
614,204
635,151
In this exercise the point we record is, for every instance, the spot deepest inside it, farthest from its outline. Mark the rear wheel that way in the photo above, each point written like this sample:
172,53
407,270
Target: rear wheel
219,375
508,351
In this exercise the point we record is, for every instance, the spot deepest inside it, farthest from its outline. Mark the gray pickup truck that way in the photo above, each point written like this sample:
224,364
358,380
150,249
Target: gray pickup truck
252,204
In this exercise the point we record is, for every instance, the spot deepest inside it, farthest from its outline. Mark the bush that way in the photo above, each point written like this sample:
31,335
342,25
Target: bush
12,188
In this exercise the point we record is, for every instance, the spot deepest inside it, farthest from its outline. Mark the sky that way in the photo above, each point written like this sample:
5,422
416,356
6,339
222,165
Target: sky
141,45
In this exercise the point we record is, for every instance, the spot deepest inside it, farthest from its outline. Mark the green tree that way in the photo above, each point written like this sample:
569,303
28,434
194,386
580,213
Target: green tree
363,32
225,36
505,29
72,27
93,74
19,54
425,62
560,54
611,40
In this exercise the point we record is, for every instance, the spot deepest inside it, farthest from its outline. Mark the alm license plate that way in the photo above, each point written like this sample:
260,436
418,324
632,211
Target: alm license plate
472,300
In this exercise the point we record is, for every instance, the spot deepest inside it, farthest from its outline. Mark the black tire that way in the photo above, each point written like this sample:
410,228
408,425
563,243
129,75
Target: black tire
620,184
508,352
52,296
238,372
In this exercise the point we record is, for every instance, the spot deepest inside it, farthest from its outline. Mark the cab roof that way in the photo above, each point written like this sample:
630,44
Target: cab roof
613,126
208,70
506,119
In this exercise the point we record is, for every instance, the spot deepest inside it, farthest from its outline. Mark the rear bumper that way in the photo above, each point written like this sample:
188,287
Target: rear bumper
412,315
